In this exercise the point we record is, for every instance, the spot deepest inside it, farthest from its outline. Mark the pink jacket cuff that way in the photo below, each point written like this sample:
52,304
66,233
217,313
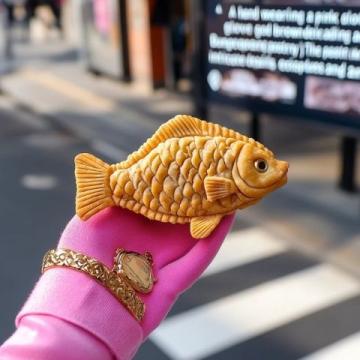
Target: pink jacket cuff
77,298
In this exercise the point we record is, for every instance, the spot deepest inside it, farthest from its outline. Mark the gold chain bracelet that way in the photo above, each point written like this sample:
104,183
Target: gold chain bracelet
106,277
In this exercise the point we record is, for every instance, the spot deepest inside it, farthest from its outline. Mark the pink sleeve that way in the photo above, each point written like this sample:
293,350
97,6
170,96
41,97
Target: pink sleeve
78,320
44,337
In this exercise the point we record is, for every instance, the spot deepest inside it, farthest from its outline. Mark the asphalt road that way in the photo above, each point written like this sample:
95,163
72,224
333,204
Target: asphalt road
260,299
37,192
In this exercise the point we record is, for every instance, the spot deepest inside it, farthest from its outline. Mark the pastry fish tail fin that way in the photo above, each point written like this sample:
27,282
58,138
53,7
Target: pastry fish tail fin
93,192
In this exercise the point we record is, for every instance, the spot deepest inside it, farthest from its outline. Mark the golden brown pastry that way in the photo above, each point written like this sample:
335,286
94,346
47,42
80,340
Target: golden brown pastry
189,171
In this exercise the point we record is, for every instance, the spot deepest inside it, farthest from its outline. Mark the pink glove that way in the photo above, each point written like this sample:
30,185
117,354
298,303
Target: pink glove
86,306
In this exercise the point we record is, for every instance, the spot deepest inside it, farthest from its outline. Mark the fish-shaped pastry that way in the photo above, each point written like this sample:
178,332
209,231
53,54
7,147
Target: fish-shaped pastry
189,171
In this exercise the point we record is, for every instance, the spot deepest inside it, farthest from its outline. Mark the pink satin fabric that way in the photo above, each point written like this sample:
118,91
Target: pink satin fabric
74,300
43,337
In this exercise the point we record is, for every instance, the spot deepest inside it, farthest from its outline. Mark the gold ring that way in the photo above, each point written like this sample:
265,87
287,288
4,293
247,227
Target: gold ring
110,279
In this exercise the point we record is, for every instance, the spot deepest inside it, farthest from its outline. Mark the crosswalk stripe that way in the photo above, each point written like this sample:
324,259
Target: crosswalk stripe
210,328
300,337
245,246
348,348
221,284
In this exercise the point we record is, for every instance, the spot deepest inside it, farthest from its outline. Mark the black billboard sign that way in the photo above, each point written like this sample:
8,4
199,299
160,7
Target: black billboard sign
301,60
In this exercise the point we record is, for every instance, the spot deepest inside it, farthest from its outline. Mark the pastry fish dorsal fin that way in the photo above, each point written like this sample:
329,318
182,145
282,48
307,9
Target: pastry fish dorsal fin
181,126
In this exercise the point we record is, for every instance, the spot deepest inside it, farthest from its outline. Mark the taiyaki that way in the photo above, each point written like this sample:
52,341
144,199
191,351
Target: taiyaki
189,171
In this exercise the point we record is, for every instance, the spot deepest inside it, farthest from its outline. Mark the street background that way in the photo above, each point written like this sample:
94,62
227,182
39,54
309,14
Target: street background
286,284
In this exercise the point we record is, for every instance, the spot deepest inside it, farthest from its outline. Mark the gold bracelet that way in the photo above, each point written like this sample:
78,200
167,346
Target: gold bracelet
106,277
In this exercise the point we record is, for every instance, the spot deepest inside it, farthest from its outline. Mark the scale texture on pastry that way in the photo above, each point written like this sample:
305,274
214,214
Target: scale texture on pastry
189,171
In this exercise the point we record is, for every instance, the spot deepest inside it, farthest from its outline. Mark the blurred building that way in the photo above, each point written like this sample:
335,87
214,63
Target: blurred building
147,42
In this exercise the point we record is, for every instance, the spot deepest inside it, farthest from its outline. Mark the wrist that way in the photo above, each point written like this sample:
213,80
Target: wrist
74,297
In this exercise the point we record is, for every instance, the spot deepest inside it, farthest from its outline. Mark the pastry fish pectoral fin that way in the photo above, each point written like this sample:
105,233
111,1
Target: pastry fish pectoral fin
93,192
202,227
217,187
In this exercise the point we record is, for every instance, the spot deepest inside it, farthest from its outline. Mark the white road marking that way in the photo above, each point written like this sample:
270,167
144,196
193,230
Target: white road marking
345,349
245,246
213,327
39,181
111,151
68,89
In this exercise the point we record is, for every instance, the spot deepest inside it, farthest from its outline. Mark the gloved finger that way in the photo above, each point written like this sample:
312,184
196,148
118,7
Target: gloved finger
189,267
177,276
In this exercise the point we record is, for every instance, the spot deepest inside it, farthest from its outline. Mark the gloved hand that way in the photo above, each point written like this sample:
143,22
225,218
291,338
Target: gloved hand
76,298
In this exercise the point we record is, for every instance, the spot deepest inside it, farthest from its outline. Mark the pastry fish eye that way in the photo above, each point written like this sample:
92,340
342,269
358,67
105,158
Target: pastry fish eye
261,165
